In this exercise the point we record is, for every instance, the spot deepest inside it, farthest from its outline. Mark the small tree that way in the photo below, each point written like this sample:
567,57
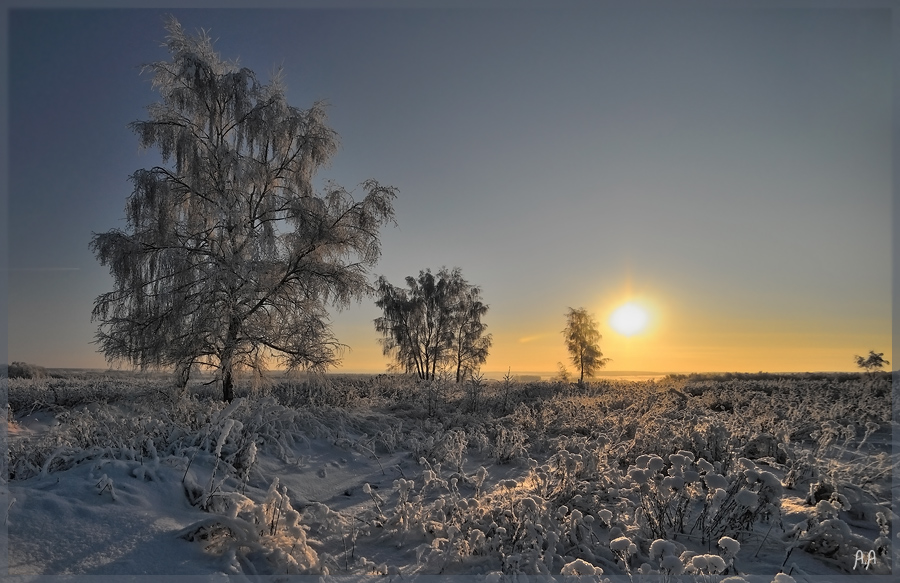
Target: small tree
562,373
229,257
433,324
875,361
583,342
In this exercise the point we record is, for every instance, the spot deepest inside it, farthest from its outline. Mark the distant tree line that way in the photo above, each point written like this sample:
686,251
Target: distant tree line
764,376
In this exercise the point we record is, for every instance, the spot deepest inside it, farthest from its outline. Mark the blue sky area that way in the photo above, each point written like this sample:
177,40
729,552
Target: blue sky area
727,168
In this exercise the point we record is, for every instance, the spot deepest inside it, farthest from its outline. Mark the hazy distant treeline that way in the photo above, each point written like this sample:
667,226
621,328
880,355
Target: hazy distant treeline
763,376
23,370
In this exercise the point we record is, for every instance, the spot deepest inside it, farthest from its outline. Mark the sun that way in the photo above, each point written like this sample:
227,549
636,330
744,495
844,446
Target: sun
628,319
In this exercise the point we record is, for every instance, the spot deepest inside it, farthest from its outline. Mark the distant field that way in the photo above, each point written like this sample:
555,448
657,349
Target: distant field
518,376
521,376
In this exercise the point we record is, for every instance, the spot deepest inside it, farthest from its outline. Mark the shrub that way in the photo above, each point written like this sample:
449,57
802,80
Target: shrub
23,370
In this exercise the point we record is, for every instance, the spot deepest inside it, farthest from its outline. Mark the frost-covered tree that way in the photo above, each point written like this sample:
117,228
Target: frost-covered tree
433,324
583,342
230,257
470,344
875,361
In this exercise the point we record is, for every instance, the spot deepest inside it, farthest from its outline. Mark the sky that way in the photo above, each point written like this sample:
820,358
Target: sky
727,169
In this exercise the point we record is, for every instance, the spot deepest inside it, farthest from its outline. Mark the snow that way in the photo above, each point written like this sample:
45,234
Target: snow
62,524
196,488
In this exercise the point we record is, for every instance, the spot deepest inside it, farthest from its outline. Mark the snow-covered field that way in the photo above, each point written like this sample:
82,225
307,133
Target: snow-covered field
383,478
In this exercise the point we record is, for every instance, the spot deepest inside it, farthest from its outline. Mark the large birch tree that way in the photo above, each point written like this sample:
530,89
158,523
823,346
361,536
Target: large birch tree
231,257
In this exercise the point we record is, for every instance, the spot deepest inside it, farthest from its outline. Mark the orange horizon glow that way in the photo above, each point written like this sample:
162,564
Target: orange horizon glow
670,342
677,338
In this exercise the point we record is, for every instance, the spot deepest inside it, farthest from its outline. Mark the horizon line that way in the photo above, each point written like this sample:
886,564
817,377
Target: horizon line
541,373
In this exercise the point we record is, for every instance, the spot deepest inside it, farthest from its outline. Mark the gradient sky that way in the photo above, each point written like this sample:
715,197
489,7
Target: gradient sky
730,169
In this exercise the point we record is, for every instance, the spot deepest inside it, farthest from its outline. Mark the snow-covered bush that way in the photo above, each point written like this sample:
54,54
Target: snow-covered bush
666,498
581,570
830,538
751,496
635,479
509,444
257,539
23,370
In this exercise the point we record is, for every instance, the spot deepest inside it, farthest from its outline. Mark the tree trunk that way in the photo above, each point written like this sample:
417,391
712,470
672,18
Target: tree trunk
182,375
226,363
227,385
581,380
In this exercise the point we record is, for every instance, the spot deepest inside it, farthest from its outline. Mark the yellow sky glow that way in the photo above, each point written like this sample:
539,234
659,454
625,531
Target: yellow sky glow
677,337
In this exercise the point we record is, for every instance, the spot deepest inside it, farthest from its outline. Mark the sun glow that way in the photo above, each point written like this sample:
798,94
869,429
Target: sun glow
628,319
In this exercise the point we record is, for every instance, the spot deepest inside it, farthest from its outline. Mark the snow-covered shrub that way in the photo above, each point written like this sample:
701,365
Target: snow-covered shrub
719,445
510,527
451,448
582,483
581,570
705,565
827,536
764,445
106,484
751,496
404,515
509,444
252,538
623,548
434,393
23,370
730,548
666,498
803,468
666,553
376,499
883,542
